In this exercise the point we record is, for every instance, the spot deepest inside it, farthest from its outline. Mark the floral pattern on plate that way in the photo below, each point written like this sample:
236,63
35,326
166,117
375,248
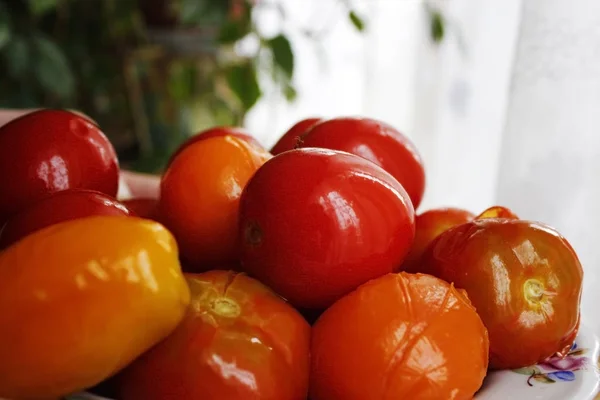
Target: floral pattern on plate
556,369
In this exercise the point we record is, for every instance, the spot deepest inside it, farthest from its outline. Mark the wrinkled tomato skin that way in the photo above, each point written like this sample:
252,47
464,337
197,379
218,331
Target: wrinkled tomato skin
58,207
289,140
239,340
217,131
428,225
523,278
52,150
377,142
316,223
401,336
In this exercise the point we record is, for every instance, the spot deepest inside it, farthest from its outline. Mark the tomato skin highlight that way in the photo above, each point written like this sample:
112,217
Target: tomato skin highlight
429,225
317,223
47,151
377,142
523,277
401,336
59,207
289,140
239,340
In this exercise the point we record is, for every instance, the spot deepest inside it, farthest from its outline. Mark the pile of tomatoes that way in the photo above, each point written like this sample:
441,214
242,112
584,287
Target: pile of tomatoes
303,272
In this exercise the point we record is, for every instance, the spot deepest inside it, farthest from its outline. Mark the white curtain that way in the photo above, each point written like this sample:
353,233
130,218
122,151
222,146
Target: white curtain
506,110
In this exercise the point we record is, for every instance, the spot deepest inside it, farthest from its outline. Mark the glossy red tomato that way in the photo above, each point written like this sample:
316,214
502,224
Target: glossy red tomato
217,131
239,340
523,278
58,207
144,207
377,142
428,226
400,336
289,139
317,223
52,150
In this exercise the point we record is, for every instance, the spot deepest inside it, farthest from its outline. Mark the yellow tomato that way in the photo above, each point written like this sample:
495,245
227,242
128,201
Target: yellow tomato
80,300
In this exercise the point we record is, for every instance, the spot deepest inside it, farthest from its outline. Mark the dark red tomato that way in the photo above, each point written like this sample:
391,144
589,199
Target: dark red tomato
59,207
289,139
428,226
235,131
377,142
48,151
317,223
523,278
144,207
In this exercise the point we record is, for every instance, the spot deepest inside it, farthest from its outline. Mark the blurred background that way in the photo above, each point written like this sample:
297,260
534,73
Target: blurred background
502,98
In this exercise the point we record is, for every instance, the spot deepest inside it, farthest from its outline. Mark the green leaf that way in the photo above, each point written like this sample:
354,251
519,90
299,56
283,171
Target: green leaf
40,7
290,93
243,82
282,54
357,21
52,68
437,26
4,26
543,378
17,55
232,32
529,371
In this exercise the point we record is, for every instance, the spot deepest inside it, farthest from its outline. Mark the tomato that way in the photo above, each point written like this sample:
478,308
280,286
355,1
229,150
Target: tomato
238,341
81,299
377,142
524,279
289,139
316,223
218,131
428,226
200,194
145,207
401,336
51,150
497,212
58,207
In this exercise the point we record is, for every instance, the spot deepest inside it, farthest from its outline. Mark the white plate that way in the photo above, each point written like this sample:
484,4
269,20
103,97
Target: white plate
575,377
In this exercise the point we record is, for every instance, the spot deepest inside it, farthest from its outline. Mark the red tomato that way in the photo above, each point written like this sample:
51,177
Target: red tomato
52,150
217,131
377,142
497,212
58,207
239,340
523,278
144,207
401,336
428,226
289,139
317,223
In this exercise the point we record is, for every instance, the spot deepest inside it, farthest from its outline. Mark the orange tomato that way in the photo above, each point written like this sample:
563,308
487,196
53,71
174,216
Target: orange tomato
200,194
428,226
401,336
238,341
81,299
